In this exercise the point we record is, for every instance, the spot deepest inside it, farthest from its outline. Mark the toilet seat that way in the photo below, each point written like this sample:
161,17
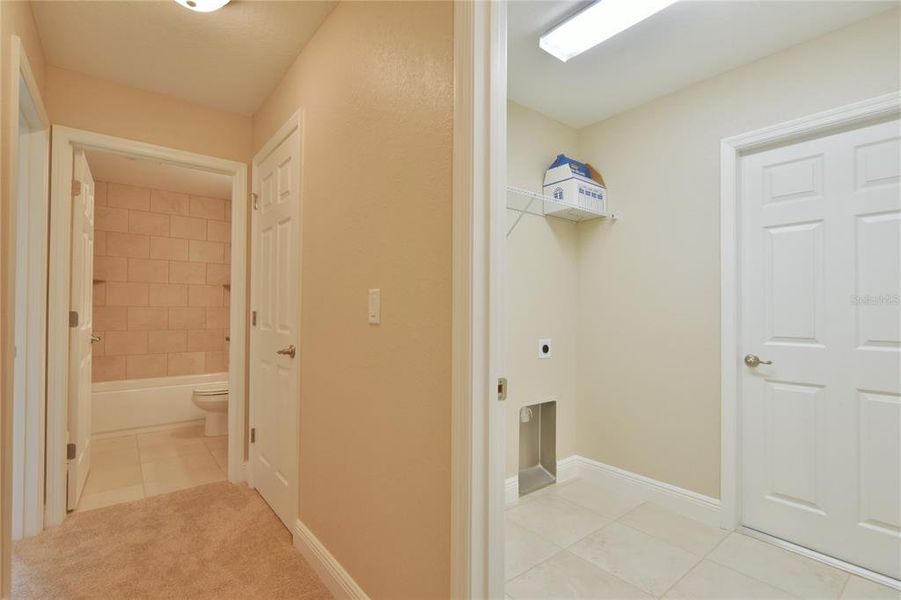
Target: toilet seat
213,389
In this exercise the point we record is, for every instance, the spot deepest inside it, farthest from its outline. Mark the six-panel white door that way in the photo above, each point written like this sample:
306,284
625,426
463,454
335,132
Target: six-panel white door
81,330
820,272
274,385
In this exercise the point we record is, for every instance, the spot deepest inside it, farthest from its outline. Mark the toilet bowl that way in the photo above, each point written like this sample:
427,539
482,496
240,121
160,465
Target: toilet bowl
213,399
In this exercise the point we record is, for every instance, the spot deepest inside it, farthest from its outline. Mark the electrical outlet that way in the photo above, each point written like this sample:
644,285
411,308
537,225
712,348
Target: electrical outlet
544,348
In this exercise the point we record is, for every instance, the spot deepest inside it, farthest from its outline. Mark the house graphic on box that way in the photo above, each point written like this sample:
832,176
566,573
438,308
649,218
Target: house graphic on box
575,185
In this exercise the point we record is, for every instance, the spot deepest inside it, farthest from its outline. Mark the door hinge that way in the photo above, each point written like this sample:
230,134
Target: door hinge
70,451
502,388
253,318
76,187
253,435
73,318
255,200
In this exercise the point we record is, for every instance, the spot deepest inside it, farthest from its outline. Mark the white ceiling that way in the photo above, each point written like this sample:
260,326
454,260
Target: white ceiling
687,42
230,59
116,168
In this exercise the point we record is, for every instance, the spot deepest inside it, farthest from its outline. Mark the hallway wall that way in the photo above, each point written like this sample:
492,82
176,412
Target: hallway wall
376,87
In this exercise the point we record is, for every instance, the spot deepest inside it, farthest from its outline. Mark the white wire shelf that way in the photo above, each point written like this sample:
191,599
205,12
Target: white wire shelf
541,205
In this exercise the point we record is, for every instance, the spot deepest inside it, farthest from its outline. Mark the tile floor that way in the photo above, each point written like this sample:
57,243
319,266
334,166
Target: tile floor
577,540
133,467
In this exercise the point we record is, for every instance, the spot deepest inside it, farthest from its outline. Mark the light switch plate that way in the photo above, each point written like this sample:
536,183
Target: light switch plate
375,306
544,348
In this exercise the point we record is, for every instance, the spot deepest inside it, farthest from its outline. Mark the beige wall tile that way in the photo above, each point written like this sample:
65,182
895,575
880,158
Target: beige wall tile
111,268
187,272
228,253
228,210
218,231
99,243
207,340
110,318
98,348
226,297
147,365
205,295
217,274
168,248
186,363
100,193
171,203
163,342
168,294
148,270
127,196
216,362
99,293
217,318
187,318
147,317
208,208
208,252
147,222
125,342
127,244
191,228
110,219
120,293
107,368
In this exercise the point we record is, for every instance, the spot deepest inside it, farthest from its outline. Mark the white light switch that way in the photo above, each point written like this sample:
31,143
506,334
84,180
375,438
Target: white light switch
375,306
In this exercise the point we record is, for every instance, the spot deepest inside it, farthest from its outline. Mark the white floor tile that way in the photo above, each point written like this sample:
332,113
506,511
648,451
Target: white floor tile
556,520
523,549
568,576
643,560
102,478
688,534
200,477
593,496
110,497
157,451
786,570
178,467
709,580
858,588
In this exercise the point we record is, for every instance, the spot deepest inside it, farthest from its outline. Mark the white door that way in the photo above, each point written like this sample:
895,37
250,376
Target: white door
274,339
81,328
820,272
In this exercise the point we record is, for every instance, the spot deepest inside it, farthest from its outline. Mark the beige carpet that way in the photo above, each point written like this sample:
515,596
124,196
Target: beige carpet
214,541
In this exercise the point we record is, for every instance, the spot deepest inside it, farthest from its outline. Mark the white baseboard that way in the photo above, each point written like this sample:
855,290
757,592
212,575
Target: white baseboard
152,429
679,500
336,579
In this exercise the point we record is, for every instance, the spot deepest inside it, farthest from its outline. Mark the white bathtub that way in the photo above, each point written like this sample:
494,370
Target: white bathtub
134,404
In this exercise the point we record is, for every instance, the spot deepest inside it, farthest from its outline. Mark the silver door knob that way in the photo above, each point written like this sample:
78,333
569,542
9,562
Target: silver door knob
289,351
95,339
752,360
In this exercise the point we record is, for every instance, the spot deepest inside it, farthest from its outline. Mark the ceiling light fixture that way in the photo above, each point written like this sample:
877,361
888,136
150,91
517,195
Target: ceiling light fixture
595,24
203,6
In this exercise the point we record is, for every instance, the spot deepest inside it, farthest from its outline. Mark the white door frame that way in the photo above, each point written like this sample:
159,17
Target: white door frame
479,180
65,140
28,416
295,122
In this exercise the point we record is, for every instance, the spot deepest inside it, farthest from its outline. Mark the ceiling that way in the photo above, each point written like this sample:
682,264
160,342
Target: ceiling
687,42
116,168
230,59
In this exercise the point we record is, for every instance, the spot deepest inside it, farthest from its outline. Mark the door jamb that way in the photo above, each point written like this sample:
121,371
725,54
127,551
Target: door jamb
64,141
731,150
294,122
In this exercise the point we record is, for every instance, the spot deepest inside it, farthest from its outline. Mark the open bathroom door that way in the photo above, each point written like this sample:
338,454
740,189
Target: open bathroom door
81,322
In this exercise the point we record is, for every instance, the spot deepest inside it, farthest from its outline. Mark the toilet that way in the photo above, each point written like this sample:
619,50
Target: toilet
213,399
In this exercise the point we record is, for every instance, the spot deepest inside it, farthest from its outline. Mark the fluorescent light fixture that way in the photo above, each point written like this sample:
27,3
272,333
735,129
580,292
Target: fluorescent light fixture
203,6
597,23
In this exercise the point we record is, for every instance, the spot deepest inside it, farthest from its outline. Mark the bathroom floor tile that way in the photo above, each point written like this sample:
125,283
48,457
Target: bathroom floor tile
565,575
178,467
110,497
125,445
523,549
105,478
195,478
156,452
556,520
643,560
688,534
712,581
785,570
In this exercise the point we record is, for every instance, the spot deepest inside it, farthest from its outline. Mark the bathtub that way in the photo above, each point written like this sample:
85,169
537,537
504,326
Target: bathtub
136,404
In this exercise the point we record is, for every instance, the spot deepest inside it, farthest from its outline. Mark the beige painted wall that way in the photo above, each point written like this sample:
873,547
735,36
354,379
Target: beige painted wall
542,285
376,87
15,19
162,277
649,302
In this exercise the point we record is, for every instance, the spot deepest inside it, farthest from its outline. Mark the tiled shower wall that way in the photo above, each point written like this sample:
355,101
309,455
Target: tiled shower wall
161,283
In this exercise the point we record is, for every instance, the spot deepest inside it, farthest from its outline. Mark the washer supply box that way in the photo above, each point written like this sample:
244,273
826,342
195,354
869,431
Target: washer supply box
574,184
